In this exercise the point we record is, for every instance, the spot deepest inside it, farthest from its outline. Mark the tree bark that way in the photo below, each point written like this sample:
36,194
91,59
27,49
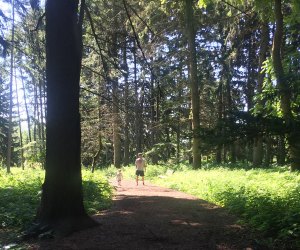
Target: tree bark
258,141
269,156
26,107
138,114
284,89
194,82
10,124
61,204
126,106
20,126
115,93
281,152
116,124
220,117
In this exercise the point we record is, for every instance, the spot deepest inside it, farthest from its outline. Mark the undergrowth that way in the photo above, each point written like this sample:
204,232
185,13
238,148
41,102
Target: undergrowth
20,194
266,200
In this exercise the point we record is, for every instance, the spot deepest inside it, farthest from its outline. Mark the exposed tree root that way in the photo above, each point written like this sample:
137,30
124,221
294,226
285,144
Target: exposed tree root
58,229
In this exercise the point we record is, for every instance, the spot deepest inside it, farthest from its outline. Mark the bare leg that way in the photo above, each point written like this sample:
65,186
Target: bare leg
143,180
137,180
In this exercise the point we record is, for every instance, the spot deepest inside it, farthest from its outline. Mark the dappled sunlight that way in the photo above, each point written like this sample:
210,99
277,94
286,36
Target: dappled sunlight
186,223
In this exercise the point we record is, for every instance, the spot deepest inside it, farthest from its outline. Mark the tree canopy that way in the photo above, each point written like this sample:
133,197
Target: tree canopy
177,80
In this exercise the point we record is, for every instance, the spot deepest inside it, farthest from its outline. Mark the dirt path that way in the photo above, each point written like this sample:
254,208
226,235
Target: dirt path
151,217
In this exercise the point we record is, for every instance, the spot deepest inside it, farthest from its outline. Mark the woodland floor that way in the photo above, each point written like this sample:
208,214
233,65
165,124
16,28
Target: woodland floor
152,217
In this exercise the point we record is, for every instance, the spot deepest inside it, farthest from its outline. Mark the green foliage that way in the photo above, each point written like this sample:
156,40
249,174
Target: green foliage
97,192
20,194
267,200
34,154
202,3
161,152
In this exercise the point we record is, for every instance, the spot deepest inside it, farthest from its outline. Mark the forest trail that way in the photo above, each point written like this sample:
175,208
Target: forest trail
152,217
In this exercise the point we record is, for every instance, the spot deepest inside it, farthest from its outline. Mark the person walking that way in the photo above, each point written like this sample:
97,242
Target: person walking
140,166
119,176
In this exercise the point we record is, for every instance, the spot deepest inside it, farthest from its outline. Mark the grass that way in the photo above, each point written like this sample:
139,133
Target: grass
266,200
20,194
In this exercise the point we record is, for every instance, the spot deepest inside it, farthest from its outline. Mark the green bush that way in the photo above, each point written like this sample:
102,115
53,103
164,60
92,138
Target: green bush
20,194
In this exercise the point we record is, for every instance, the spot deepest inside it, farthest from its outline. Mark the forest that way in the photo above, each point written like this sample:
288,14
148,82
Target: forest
89,84
217,84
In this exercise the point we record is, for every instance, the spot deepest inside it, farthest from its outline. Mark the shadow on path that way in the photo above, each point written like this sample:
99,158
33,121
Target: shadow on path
151,217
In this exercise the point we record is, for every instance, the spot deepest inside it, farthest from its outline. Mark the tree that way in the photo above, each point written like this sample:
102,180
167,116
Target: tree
10,127
4,111
193,79
284,87
264,41
61,206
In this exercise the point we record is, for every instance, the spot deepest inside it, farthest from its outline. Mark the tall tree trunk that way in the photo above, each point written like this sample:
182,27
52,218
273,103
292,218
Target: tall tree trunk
10,125
152,110
138,114
178,127
258,140
220,116
26,107
194,82
41,112
61,206
39,95
228,79
250,91
281,152
35,137
268,158
41,122
126,105
20,127
284,89
115,94
116,124
100,144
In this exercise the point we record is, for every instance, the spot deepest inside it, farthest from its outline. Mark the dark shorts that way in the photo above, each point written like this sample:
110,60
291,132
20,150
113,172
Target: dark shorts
139,173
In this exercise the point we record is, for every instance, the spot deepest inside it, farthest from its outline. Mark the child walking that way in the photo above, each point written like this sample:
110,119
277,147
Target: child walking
119,176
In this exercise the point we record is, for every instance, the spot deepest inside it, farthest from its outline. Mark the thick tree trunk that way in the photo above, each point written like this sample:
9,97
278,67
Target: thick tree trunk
61,204
284,89
194,82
